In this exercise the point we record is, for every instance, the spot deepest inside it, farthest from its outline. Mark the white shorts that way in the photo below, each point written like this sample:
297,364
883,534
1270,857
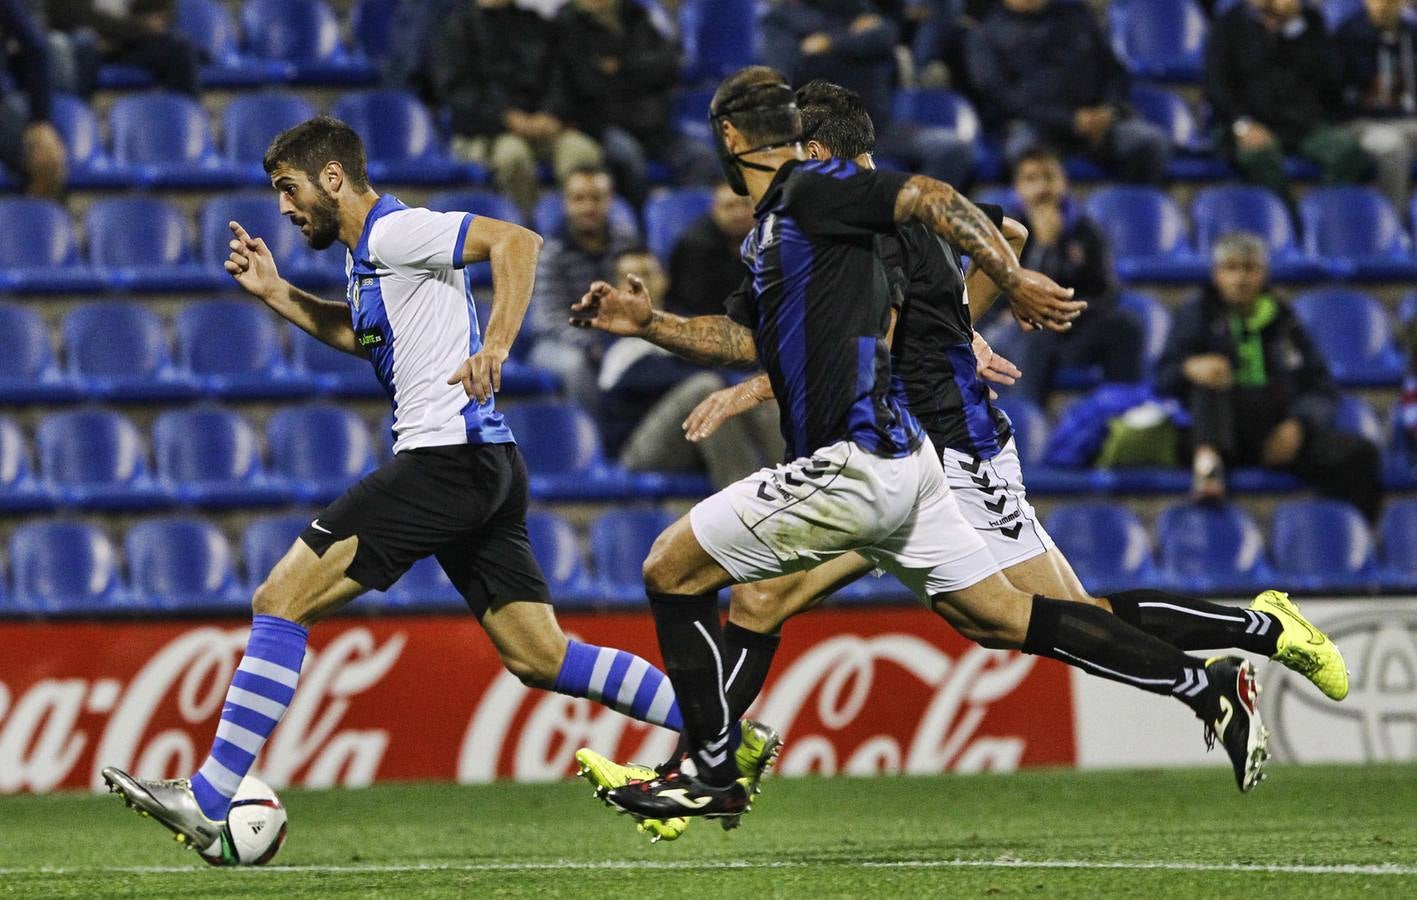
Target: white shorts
898,513
991,495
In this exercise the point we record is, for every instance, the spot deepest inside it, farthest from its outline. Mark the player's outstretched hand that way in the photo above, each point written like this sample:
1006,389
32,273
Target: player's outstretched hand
1038,301
481,373
617,311
251,263
991,366
719,407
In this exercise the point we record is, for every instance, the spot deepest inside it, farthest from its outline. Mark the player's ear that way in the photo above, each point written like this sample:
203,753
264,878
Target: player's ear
332,178
732,137
817,151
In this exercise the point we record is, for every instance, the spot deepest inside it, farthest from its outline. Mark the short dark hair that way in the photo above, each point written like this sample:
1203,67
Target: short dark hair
315,142
1038,153
836,118
762,125
589,170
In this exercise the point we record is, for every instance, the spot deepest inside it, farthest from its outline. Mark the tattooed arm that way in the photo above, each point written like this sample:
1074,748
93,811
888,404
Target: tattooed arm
709,340
982,289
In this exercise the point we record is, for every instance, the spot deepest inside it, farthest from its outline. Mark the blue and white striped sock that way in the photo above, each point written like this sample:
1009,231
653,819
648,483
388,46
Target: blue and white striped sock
622,681
261,689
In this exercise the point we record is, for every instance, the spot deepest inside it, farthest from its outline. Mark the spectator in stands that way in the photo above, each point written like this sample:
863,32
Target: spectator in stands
1378,45
1067,246
1045,72
618,74
849,43
498,75
30,146
132,32
1257,389
647,393
938,45
1275,86
583,250
705,266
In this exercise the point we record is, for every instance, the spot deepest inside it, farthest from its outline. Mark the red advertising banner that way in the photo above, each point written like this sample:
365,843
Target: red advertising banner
854,691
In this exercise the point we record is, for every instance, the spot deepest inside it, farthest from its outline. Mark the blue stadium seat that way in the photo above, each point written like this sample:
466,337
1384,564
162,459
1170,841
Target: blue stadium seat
425,585
95,459
260,216
20,491
951,111
251,121
1155,320
232,349
322,449
89,164
619,542
562,448
1208,548
399,138
688,110
1196,158
28,371
62,566
1357,416
550,214
181,563
211,457
266,540
1321,545
479,202
1106,544
1147,233
332,372
117,350
1350,329
669,213
719,37
305,34
554,542
38,250
1159,39
1399,545
164,140
1219,210
1030,429
1355,230
373,23
209,26
143,244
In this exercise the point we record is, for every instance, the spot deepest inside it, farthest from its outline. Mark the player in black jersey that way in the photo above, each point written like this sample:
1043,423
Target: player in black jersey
864,476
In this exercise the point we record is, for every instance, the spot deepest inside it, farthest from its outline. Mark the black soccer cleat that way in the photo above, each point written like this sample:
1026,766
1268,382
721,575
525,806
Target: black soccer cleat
680,795
1236,723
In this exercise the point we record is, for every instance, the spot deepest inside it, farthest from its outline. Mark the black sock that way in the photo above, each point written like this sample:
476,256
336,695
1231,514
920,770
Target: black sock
1107,646
691,642
1195,624
747,655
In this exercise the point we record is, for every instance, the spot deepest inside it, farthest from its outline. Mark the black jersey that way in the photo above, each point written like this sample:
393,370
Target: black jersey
818,302
932,353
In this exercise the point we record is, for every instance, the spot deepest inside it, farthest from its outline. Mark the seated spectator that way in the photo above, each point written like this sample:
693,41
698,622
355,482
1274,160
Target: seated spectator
618,72
582,251
646,393
136,33
497,73
1257,390
1045,72
1066,245
1274,85
30,146
847,42
705,266
1378,45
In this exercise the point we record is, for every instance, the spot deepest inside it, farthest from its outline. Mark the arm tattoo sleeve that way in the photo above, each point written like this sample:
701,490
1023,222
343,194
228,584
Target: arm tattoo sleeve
950,214
709,340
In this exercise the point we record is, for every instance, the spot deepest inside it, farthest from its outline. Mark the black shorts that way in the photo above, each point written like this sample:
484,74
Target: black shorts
464,504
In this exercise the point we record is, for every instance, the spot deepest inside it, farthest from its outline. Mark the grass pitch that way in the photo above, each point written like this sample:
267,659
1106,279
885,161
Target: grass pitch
1314,831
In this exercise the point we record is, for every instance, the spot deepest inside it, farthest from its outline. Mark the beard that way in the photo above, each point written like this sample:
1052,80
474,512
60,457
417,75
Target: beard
323,220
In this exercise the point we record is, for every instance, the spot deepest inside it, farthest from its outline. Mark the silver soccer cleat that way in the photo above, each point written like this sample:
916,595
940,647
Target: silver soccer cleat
171,802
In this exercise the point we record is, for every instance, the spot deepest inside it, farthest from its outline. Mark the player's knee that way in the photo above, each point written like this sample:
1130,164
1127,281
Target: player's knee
660,575
755,608
531,669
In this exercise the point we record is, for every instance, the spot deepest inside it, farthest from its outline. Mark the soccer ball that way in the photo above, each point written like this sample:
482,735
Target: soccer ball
254,829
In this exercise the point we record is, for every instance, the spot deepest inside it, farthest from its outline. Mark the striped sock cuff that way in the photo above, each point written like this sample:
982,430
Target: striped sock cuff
620,680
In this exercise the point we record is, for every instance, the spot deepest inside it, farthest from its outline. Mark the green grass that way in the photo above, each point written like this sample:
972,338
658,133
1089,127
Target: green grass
891,837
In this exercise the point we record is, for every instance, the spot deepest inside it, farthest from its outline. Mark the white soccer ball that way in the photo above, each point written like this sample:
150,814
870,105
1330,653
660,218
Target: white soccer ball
255,827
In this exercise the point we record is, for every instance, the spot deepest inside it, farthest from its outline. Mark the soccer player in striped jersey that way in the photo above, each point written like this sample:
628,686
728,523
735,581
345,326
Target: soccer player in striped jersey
456,488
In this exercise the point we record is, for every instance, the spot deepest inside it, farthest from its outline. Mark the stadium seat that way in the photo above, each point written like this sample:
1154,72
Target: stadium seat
28,371
479,202
209,26
181,563
1159,39
38,250
1350,329
19,490
619,542
232,349
373,23
305,34
260,216
89,164
332,372
1155,319
1209,548
251,121
117,350
62,566
688,109
1399,545
550,214
1106,544
425,585
554,542
718,37
1321,545
95,459
562,448
143,244
266,540
322,449
399,137
1147,233
952,111
667,215
164,140
211,457
1196,158
1030,426
1355,231
1223,209
1357,416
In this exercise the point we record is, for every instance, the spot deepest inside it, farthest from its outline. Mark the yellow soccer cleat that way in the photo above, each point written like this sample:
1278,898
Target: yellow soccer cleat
756,753
1304,648
607,775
